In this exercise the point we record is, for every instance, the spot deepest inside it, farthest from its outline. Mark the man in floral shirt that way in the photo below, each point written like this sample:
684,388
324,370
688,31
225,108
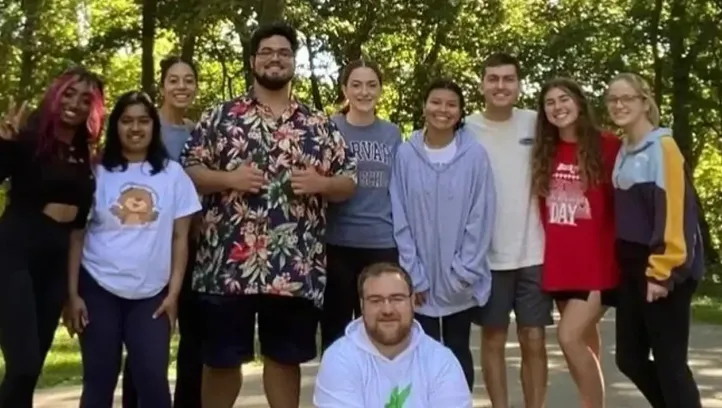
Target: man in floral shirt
268,166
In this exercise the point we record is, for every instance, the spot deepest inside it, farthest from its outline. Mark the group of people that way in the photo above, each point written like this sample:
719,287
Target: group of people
268,214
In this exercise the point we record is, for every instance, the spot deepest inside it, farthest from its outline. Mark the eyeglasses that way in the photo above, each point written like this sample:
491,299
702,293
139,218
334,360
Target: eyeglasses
394,300
625,99
267,53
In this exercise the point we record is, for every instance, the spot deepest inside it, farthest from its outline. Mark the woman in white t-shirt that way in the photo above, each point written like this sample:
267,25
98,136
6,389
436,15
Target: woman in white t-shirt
124,285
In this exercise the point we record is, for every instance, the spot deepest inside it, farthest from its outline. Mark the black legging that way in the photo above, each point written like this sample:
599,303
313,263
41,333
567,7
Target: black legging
661,327
189,363
33,276
453,331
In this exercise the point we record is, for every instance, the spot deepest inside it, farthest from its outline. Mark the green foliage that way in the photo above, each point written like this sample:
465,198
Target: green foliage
674,43
64,365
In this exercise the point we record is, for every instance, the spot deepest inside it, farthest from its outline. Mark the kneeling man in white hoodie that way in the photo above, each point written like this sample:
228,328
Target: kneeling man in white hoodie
385,360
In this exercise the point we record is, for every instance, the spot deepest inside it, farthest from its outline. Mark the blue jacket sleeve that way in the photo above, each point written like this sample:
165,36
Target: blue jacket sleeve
408,258
470,261
337,383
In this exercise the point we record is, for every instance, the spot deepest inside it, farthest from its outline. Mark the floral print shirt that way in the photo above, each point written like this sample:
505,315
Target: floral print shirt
271,242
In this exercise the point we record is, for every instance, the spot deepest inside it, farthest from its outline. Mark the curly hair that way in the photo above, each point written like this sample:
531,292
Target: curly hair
546,140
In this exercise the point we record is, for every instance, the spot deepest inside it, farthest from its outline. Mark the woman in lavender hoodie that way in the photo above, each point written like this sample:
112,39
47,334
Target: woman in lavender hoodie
442,200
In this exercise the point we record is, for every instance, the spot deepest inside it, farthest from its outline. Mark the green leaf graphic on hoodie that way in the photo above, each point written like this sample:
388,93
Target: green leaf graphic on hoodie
398,399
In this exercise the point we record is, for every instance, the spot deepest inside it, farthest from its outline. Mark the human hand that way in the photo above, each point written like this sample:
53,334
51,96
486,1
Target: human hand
12,120
308,181
169,307
420,298
67,318
77,315
247,178
655,292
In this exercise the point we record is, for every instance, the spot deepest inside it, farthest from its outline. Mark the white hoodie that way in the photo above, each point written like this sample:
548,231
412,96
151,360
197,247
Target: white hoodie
353,374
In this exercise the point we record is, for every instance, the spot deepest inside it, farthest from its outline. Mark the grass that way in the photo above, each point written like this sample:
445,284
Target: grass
707,305
63,365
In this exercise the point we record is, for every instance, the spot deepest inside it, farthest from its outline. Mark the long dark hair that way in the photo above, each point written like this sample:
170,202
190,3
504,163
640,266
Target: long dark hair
346,75
452,86
113,157
43,123
589,142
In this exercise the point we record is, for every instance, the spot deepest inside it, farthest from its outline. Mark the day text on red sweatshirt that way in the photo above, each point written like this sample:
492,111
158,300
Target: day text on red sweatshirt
579,224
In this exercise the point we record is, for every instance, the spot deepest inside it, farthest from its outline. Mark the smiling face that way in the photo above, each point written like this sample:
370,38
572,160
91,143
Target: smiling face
274,63
442,109
362,90
75,104
179,86
135,129
387,309
560,108
500,86
626,106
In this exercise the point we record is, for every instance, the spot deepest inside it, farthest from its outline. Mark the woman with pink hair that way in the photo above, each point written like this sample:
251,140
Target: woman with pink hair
48,162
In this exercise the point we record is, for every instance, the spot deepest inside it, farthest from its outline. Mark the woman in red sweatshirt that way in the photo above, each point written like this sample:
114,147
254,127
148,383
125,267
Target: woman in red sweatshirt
572,164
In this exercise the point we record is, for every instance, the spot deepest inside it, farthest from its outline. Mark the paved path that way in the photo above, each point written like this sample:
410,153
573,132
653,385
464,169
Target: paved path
705,359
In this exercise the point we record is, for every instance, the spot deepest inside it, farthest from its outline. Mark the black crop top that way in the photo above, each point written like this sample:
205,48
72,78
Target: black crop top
63,178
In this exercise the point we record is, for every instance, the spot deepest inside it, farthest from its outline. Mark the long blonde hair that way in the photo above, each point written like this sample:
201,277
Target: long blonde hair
641,86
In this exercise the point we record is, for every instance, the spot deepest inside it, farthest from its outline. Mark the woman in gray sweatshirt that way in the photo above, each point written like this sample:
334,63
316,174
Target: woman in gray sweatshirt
360,230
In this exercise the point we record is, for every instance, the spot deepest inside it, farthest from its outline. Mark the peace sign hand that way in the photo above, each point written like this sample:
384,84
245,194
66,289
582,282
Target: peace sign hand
11,121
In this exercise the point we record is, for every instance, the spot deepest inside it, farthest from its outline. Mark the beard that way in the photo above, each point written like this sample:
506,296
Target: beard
272,83
388,337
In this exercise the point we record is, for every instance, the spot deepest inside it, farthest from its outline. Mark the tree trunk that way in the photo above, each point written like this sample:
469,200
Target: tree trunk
269,11
354,49
315,88
188,48
150,9
428,64
245,35
682,60
654,32
247,67
28,45
8,28
682,63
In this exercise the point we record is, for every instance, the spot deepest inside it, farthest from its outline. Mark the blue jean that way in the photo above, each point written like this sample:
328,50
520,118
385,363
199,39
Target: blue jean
189,362
114,322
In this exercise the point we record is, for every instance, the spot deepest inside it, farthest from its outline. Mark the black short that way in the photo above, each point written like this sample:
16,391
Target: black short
609,296
286,329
